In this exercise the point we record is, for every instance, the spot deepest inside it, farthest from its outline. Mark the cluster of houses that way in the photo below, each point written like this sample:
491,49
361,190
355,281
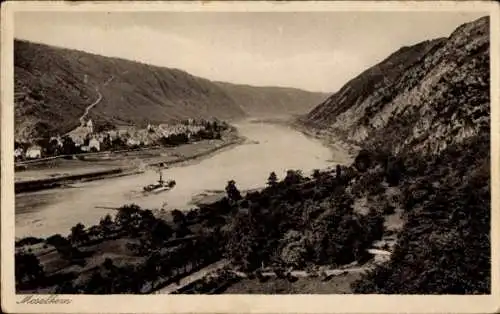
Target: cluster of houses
32,152
87,140
188,129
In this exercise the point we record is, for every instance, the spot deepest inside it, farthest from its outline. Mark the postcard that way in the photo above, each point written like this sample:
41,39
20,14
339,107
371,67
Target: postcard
250,157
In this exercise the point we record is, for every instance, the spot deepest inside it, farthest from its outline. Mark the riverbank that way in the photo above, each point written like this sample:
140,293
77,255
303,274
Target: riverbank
57,173
275,149
327,138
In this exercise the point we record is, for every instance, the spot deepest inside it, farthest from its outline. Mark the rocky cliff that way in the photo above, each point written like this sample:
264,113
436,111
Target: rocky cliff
421,98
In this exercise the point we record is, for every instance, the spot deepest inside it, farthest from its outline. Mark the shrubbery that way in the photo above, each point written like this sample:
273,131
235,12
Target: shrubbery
445,245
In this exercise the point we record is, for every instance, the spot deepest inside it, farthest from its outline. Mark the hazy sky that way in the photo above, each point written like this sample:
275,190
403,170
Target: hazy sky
317,51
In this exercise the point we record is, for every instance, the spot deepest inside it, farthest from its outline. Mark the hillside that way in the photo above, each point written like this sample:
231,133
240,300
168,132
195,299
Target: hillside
424,97
268,101
424,114
54,86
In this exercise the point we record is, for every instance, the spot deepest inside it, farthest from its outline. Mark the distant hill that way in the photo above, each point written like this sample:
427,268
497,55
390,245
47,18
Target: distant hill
54,86
266,101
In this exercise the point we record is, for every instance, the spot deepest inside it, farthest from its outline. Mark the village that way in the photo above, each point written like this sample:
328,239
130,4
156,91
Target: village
88,139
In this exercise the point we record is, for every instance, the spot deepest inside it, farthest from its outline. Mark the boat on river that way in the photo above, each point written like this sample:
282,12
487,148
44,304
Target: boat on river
161,186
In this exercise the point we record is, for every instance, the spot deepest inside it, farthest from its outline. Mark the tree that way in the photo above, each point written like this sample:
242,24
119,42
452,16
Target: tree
78,234
95,232
338,171
178,217
293,177
108,264
106,225
363,161
294,251
232,191
316,174
147,220
27,268
242,243
128,217
161,232
53,148
63,247
273,179
69,146
394,171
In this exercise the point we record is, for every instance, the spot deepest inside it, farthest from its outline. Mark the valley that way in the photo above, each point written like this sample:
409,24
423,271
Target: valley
368,192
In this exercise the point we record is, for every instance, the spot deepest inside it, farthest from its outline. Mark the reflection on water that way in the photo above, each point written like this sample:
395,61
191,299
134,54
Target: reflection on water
273,148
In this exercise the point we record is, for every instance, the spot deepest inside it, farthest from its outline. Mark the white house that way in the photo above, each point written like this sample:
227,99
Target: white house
113,135
133,142
18,153
33,152
94,143
90,126
78,141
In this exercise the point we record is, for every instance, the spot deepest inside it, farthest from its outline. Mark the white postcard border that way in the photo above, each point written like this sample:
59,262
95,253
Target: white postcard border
238,303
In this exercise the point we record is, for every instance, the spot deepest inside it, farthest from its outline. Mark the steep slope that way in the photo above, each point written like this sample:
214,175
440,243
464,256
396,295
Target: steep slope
424,114
422,98
266,101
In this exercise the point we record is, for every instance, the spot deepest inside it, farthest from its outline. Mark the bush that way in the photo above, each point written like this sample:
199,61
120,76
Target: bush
28,268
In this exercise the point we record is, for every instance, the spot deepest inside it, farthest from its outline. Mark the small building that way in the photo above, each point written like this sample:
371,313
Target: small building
18,153
94,144
133,142
113,135
90,126
78,141
34,152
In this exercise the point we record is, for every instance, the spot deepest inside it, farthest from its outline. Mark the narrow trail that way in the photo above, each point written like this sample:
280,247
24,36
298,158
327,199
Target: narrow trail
98,100
210,269
85,114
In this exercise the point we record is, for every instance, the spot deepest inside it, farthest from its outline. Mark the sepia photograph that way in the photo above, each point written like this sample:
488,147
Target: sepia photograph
205,149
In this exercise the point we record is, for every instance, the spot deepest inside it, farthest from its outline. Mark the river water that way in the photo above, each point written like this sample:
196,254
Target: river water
270,147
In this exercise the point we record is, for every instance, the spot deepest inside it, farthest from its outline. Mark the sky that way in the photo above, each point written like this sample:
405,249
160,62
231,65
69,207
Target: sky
316,51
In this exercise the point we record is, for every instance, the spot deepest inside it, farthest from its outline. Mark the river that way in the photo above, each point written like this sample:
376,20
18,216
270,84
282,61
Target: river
270,147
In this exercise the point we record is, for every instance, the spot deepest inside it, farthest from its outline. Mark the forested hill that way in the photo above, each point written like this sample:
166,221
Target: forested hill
424,114
54,86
